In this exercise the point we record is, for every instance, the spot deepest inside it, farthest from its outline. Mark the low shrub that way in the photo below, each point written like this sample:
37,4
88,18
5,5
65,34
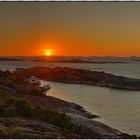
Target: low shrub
14,107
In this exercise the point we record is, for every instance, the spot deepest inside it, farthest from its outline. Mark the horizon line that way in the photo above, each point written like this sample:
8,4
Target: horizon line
67,56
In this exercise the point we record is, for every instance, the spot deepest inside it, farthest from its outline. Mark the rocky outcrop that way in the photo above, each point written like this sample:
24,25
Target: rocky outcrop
16,85
93,129
79,76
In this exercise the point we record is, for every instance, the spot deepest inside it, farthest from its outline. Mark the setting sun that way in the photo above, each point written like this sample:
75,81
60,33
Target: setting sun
48,52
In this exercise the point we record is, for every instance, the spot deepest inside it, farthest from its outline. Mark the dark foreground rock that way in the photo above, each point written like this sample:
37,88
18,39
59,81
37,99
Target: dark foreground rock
79,76
85,126
26,128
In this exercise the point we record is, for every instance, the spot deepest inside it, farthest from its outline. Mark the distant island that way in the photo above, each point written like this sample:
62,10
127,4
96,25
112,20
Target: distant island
135,59
52,60
9,59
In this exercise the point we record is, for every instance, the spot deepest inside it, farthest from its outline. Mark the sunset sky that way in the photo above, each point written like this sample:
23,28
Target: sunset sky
70,28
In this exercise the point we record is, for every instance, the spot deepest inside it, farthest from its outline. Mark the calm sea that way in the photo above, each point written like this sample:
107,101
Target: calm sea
117,108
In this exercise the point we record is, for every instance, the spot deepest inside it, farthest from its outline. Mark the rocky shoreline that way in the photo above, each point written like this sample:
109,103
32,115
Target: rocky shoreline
84,126
80,76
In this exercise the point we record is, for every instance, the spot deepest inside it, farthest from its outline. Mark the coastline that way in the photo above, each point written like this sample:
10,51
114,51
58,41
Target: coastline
80,76
84,124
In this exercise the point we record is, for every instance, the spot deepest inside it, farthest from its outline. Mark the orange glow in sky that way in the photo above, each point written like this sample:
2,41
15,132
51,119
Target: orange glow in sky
48,52
106,29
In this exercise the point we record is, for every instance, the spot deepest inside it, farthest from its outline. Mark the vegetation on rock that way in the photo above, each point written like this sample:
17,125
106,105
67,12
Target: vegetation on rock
15,107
